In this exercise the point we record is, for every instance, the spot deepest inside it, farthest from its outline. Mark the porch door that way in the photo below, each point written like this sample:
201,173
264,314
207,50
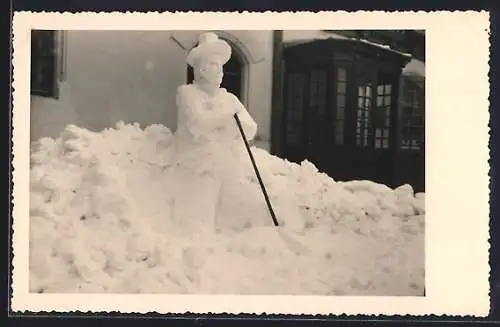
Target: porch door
411,154
341,119
295,137
372,152
306,98
317,116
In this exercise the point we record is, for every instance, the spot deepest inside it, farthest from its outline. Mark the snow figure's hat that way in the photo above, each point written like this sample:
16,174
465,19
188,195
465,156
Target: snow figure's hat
209,44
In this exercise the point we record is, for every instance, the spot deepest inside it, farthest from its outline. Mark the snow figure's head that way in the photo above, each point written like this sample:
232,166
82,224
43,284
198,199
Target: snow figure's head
208,58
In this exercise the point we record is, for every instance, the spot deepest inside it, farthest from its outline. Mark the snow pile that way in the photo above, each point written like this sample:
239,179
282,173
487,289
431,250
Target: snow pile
100,222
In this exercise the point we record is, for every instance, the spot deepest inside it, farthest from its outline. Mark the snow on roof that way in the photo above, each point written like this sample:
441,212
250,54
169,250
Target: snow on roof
415,68
386,47
293,38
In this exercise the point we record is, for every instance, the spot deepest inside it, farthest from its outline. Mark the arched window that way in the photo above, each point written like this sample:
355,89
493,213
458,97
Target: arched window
233,73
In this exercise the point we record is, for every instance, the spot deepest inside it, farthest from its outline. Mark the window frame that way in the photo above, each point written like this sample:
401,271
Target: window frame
51,60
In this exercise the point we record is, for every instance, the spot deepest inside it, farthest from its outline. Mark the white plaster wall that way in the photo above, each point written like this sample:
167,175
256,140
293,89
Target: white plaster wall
259,89
133,76
48,116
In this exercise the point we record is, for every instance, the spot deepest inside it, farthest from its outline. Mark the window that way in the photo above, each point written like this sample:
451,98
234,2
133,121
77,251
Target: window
295,100
363,125
44,63
341,92
382,113
373,112
412,117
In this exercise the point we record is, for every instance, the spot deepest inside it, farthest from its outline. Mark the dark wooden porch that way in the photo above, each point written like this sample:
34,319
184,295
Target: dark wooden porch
344,111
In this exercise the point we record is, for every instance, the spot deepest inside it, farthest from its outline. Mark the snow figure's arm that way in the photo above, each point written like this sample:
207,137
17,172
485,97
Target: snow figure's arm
199,123
247,122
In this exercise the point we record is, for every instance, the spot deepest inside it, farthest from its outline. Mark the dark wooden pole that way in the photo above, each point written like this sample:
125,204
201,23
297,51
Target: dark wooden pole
256,170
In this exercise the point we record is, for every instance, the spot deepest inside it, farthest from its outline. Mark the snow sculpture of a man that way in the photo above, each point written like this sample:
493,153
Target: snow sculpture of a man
208,146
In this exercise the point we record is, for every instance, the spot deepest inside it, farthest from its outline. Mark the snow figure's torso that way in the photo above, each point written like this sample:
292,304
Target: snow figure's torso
206,147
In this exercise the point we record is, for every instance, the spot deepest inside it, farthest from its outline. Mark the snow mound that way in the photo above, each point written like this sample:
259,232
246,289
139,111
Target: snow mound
99,222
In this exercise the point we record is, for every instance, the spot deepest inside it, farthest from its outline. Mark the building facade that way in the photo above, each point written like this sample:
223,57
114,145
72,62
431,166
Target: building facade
343,99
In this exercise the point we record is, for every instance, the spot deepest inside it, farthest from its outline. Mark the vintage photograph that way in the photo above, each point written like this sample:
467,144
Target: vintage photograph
286,162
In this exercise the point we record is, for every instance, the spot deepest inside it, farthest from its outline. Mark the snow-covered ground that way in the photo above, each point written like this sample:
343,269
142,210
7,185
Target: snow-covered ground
99,222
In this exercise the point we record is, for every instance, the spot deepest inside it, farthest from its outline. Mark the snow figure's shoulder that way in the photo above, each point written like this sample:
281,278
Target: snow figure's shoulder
185,93
230,96
185,89
227,94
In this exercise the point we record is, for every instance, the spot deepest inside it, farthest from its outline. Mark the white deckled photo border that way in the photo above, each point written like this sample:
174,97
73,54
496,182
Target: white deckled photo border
457,193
